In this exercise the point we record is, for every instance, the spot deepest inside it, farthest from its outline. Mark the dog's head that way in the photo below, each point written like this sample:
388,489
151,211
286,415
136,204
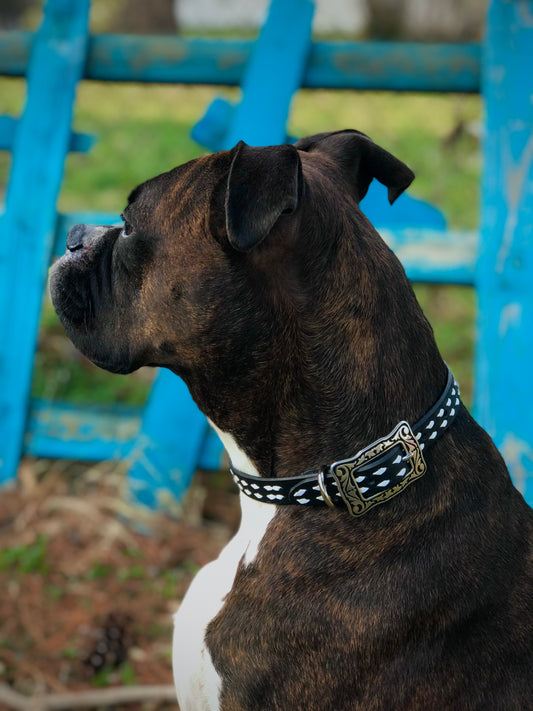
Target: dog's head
218,259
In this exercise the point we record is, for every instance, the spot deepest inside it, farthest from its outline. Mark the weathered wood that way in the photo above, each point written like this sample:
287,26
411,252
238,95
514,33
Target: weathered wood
88,698
62,430
504,386
15,50
435,256
387,66
59,430
79,142
167,448
273,75
394,66
40,145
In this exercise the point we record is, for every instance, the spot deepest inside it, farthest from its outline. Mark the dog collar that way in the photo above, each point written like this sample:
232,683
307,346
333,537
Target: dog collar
372,476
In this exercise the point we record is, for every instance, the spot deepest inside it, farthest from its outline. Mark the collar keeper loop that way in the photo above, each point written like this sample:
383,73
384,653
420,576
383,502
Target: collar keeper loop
322,486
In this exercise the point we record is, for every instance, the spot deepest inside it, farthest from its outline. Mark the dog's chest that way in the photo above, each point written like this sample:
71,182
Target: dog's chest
197,682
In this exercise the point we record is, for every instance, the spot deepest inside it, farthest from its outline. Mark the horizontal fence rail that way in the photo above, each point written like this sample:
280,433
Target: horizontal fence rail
65,430
386,66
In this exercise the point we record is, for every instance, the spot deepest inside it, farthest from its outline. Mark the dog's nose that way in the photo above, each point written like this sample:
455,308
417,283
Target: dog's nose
75,237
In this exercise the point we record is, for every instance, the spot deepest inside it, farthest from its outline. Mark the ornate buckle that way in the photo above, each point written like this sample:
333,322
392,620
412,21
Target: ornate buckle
345,471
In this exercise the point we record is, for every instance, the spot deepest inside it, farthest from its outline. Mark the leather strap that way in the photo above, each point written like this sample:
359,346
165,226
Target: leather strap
372,476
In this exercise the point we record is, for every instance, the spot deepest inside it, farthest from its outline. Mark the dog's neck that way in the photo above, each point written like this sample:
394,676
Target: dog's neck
353,355
356,372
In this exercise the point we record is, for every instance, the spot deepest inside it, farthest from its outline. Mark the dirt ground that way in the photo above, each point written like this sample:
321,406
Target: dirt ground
89,584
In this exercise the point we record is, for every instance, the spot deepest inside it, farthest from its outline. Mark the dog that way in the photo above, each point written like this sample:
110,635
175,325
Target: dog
384,558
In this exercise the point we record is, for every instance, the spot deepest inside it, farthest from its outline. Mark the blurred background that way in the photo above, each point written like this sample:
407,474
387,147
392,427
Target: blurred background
76,576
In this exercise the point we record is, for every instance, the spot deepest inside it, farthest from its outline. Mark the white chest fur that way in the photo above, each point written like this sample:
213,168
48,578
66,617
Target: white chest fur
197,682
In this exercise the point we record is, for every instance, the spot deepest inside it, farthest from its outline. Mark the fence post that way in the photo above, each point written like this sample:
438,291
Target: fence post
40,145
504,387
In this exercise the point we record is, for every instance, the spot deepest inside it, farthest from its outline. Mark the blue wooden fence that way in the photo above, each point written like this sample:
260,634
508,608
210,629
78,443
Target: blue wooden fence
165,441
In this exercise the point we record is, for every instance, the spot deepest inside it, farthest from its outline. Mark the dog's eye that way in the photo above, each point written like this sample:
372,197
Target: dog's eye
127,230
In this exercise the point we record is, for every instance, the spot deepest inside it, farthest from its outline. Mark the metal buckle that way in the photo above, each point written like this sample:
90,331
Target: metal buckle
345,471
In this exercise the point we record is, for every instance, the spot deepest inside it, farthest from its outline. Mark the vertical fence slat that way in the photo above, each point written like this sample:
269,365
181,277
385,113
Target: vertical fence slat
504,386
41,143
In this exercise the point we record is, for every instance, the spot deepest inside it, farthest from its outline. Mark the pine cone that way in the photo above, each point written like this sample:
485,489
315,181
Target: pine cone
112,643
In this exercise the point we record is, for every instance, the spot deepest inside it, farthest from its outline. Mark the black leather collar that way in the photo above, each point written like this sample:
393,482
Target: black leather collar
374,475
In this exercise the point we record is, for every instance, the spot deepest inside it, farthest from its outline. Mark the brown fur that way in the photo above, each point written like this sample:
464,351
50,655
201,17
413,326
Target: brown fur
298,332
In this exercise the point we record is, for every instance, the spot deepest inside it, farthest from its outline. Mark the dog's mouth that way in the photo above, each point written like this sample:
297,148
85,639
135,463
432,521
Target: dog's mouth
95,298
79,284
82,293
117,365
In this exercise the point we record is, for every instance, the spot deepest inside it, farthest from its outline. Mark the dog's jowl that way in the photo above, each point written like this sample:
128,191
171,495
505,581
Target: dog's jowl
384,559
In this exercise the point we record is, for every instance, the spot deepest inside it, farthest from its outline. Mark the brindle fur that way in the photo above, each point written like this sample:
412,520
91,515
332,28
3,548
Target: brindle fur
254,275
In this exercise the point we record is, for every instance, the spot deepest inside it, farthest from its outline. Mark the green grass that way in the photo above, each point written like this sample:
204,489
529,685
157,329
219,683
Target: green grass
416,128
143,130
30,558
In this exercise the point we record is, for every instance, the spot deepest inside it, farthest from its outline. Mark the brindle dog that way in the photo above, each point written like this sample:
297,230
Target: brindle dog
253,275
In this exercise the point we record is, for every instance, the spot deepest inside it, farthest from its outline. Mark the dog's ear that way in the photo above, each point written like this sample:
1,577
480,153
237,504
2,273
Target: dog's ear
361,160
263,183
